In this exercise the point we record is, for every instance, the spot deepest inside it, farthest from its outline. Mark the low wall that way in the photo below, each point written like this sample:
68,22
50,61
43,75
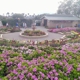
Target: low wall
34,36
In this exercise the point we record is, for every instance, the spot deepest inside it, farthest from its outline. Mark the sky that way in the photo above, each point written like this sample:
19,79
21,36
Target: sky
29,6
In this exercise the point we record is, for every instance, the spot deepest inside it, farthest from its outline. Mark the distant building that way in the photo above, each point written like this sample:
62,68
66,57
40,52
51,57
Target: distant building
38,22
60,20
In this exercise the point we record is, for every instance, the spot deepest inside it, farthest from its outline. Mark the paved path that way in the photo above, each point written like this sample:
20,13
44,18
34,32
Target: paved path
16,36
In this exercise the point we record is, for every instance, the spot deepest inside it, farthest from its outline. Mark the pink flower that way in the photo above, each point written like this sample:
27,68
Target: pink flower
33,77
48,76
55,78
21,77
15,72
54,70
42,74
34,70
63,52
15,78
56,74
61,63
29,74
50,72
69,67
51,78
19,65
45,68
9,63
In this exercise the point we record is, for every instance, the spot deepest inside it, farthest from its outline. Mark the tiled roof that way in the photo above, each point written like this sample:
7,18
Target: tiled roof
61,18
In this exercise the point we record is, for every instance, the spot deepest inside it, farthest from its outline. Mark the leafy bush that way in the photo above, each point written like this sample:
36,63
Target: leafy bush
48,50
35,54
3,69
31,47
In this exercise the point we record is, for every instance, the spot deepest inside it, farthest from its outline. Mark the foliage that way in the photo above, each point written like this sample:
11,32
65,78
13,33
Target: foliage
4,22
48,50
13,21
70,7
16,16
2,17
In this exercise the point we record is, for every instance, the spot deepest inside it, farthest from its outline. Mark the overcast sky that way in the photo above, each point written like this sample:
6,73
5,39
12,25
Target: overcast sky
29,6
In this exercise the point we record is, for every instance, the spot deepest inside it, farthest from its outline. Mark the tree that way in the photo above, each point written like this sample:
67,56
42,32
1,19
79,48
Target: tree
2,17
23,14
76,8
4,22
28,14
12,14
7,14
70,7
16,16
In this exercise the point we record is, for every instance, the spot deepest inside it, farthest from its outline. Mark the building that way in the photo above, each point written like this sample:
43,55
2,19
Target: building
38,22
60,20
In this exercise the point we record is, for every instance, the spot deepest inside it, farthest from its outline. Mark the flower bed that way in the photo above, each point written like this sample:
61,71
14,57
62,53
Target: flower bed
53,43
68,29
74,37
15,29
43,64
9,29
4,42
33,33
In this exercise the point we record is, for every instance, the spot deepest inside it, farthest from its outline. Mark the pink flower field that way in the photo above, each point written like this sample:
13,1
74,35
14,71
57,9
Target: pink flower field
47,63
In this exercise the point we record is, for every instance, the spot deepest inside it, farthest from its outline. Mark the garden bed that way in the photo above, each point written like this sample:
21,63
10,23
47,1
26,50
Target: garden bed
5,30
4,42
33,34
67,29
53,43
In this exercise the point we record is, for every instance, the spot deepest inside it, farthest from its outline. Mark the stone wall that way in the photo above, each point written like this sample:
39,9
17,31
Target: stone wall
53,24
